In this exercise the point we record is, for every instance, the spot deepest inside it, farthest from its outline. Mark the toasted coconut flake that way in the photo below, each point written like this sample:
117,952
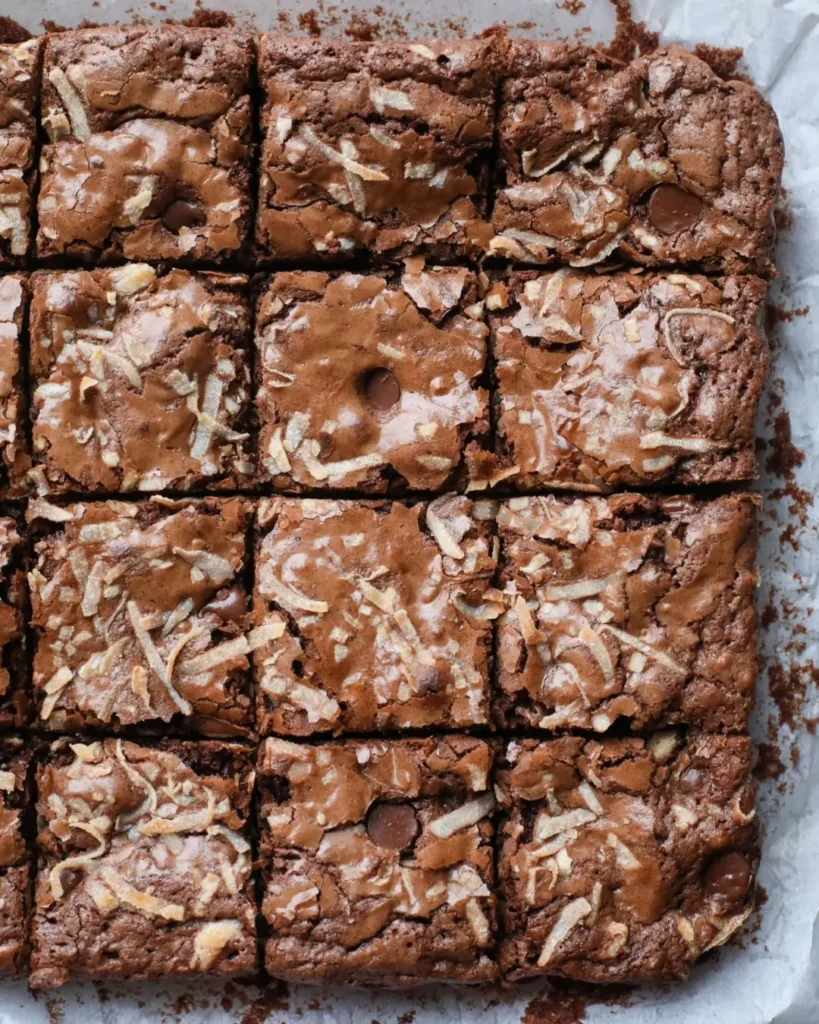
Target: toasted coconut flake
207,660
353,166
421,50
56,684
562,716
569,918
211,939
92,593
676,355
39,508
318,706
153,657
590,799
728,928
623,855
72,103
189,821
477,920
179,614
446,542
8,782
657,439
383,98
287,595
605,252
619,937
143,901
580,588
138,779
209,412
216,568
486,611
462,817
79,861
599,651
531,634
263,634
662,744
643,648
383,599
280,378
180,645
478,484
548,825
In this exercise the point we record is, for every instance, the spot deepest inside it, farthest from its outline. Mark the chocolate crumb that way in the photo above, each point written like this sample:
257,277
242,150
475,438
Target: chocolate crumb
12,32
723,61
631,38
768,764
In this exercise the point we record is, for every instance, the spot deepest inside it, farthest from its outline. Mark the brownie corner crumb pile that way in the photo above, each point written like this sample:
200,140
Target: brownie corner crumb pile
367,612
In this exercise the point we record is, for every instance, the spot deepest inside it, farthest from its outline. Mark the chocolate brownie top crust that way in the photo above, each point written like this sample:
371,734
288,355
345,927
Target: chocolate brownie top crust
19,86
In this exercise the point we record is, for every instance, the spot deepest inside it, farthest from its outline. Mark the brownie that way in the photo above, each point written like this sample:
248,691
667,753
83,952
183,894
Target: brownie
627,379
373,616
15,871
15,701
19,88
623,860
658,161
376,146
636,608
371,382
14,457
139,615
141,380
377,861
148,150
144,862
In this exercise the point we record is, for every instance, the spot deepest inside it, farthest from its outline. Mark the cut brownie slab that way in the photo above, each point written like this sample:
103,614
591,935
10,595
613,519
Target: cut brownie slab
145,867
14,457
15,701
141,380
376,146
378,615
377,861
659,161
623,859
15,869
140,615
371,382
627,379
19,88
634,607
148,152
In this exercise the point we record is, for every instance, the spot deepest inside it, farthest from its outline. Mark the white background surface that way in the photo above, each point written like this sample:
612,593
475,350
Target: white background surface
775,978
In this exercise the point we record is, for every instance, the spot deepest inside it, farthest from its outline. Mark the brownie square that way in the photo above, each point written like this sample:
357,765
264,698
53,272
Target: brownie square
623,860
14,457
141,380
15,869
371,382
144,862
377,861
19,88
139,613
658,161
636,608
375,146
373,615
149,133
15,702
627,379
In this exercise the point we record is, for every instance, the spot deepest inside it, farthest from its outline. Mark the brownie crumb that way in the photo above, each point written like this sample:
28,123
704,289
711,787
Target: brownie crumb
723,61
786,457
631,38
309,23
203,18
12,32
768,763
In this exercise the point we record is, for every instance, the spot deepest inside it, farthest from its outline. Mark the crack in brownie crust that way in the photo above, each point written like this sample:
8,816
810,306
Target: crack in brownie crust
14,457
19,87
377,861
659,161
633,607
145,868
623,859
141,382
148,152
140,615
15,899
371,382
627,379
14,676
377,146
379,615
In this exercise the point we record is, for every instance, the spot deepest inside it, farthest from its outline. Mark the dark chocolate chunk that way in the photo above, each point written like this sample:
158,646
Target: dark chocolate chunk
382,389
230,606
728,877
392,826
672,209
182,213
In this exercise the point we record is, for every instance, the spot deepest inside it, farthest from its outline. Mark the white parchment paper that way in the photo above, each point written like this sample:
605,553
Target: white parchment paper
774,979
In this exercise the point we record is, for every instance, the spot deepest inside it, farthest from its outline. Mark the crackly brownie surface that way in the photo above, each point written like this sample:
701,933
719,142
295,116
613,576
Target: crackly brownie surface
371,382
377,861
145,868
377,146
634,607
19,86
14,457
659,161
378,615
148,150
623,859
14,861
14,695
627,379
140,381
140,614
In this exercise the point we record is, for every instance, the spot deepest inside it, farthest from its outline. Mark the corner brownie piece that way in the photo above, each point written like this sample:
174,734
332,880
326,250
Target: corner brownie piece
144,862
627,379
373,615
15,699
19,88
140,616
623,860
633,607
377,146
15,869
377,861
149,136
14,457
659,161
371,382
141,381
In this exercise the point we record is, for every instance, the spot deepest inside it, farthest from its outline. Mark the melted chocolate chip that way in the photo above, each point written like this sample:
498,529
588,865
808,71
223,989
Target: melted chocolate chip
728,877
230,606
671,209
392,826
182,213
382,389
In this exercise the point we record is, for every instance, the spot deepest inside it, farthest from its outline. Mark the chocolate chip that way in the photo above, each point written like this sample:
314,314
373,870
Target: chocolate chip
728,877
392,826
230,606
671,209
382,389
182,213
